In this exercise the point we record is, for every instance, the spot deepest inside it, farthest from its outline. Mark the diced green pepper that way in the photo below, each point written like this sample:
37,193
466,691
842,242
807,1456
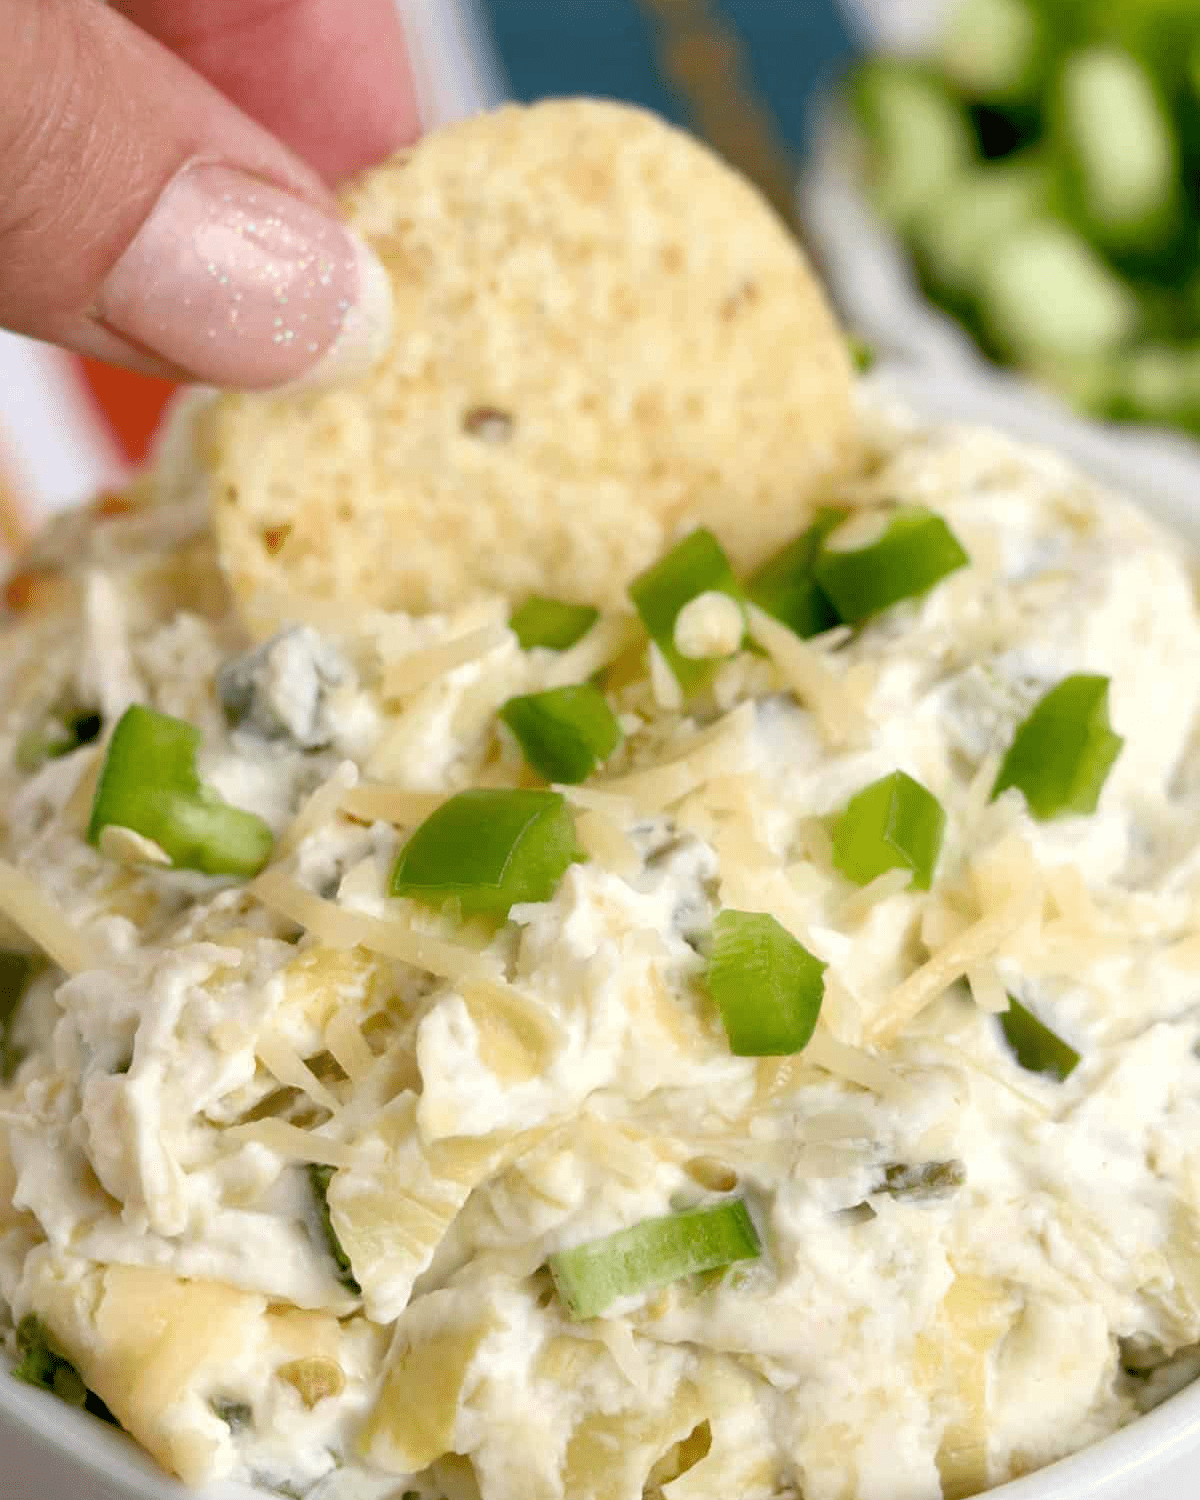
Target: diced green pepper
16,971
893,824
1061,755
319,1177
785,588
768,987
1034,1045
39,1364
565,733
696,566
149,784
916,550
489,849
653,1253
551,623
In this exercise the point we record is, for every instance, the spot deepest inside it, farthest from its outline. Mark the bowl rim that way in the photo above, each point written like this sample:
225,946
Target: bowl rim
1164,1435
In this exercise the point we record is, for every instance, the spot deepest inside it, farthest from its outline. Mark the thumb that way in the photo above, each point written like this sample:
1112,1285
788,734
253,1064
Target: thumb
145,220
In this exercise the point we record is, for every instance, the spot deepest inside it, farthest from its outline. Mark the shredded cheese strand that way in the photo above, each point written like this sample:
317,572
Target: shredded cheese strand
408,674
703,758
286,1065
347,1045
391,804
804,668
862,902
41,918
844,1061
979,793
319,808
294,1143
604,840
950,963
339,927
607,640
987,988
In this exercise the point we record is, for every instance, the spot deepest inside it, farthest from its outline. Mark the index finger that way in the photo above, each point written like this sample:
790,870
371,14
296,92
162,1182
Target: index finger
330,79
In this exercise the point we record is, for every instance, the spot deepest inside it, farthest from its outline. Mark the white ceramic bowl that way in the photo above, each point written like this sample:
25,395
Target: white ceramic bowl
49,1452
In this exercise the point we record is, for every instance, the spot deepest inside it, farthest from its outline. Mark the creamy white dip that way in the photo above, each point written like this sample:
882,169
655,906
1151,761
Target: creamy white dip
567,1075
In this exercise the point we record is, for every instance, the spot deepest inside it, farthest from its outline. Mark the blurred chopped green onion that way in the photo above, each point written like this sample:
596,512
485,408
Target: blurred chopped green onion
564,733
697,565
1061,755
552,624
893,824
56,738
915,550
863,354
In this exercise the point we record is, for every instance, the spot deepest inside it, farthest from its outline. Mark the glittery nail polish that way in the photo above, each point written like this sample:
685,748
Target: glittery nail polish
240,283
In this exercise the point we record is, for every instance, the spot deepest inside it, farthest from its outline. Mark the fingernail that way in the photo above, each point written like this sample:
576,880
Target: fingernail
242,284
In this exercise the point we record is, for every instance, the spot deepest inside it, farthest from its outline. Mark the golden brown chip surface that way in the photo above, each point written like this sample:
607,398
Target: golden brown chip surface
603,337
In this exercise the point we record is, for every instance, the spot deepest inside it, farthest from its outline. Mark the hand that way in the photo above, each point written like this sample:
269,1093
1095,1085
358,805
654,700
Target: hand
164,171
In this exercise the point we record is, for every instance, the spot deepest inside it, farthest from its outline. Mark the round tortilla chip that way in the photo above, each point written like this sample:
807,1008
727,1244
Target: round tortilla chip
604,337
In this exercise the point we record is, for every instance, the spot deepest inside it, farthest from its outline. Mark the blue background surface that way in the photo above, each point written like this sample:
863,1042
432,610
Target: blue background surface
608,47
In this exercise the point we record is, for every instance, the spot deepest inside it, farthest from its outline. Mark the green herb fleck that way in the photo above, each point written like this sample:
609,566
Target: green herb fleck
863,355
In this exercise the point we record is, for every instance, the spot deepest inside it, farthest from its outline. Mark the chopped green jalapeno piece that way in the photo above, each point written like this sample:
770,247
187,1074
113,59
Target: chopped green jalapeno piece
785,587
149,785
768,987
916,550
924,1180
893,824
488,850
320,1176
696,566
1061,755
564,733
551,623
1034,1045
653,1253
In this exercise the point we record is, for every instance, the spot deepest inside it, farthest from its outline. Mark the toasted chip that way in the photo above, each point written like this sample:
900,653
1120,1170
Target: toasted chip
604,336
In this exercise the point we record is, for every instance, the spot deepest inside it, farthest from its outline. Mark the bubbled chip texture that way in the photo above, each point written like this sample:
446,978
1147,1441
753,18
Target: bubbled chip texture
603,336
